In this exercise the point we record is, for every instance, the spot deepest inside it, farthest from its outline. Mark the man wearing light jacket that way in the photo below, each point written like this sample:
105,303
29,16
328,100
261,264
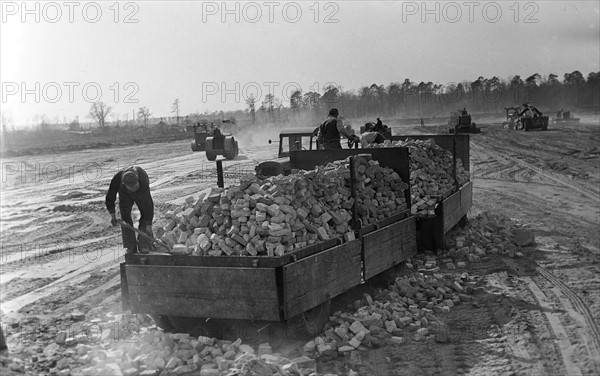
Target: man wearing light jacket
133,186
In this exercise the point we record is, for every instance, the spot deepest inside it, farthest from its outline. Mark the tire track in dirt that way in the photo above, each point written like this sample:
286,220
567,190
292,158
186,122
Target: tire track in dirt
516,168
561,336
592,326
76,273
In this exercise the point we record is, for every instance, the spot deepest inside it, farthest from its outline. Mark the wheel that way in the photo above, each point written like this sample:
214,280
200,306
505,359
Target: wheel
163,322
184,324
311,322
230,150
211,156
519,125
195,147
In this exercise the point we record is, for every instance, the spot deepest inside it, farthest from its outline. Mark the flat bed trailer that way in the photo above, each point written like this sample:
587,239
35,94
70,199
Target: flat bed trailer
299,285
296,286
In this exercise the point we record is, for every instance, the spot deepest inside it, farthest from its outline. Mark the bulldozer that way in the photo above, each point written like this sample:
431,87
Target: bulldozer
460,122
526,117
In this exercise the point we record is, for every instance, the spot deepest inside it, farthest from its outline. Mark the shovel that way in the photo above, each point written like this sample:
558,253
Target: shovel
143,234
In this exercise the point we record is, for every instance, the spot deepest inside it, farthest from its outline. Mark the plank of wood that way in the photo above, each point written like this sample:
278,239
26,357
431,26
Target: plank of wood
466,198
389,246
320,277
265,309
244,293
124,288
384,222
451,211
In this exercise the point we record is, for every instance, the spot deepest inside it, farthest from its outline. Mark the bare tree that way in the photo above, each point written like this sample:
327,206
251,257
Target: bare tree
144,114
175,109
98,112
269,105
251,102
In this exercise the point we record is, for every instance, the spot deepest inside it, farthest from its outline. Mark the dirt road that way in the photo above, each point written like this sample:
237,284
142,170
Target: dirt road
539,313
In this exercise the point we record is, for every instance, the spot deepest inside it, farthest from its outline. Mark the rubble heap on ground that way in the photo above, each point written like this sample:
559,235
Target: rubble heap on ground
488,233
131,345
404,311
431,175
283,213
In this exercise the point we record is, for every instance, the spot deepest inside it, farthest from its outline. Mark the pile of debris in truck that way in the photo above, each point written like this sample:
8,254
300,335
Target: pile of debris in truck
283,213
431,175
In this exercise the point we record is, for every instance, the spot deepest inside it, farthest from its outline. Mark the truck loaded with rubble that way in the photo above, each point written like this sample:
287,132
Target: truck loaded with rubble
280,248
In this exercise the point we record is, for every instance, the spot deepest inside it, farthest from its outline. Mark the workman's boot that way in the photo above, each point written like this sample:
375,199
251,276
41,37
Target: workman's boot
129,242
132,249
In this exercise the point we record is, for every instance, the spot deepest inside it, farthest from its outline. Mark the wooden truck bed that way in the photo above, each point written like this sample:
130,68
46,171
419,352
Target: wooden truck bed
154,284
269,288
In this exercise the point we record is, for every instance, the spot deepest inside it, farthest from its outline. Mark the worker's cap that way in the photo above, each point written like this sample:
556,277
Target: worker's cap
334,112
130,181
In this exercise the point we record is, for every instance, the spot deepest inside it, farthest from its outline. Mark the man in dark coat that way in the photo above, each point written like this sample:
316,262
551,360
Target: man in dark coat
331,129
133,186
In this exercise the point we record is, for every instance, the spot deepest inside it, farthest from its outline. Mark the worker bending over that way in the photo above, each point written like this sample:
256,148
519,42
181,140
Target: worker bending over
133,186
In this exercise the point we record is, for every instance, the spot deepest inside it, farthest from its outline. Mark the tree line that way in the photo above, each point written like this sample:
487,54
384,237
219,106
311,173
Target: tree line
409,99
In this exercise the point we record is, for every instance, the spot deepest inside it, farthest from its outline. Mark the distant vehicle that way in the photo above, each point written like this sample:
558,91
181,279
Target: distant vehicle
461,122
384,130
221,144
289,139
525,117
564,117
204,129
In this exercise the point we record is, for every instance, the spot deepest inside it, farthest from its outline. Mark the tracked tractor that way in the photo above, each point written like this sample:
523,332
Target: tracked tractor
461,123
202,130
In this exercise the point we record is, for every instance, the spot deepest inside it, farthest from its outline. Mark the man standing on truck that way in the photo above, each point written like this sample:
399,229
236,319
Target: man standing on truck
330,131
133,186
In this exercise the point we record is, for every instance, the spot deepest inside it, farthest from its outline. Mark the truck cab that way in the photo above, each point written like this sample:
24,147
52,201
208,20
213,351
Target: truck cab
304,138
297,139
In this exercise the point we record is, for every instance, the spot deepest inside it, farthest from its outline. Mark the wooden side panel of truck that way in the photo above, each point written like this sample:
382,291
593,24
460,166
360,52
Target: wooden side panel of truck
196,291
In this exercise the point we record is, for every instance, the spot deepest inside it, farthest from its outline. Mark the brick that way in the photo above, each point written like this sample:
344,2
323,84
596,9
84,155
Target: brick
354,342
322,233
357,326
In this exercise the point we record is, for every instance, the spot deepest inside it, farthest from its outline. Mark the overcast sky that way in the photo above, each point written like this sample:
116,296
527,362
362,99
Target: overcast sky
211,56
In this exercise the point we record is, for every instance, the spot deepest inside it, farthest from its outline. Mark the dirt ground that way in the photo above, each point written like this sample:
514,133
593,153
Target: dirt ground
539,313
